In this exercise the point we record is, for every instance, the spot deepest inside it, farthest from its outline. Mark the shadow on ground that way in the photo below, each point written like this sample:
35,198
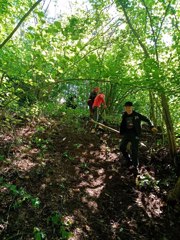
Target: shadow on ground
77,176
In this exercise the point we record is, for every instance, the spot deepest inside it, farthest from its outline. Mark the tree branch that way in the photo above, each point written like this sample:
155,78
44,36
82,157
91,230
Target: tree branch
165,14
18,25
134,31
152,29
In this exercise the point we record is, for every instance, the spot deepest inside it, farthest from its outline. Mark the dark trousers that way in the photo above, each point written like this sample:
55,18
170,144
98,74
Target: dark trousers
134,140
96,113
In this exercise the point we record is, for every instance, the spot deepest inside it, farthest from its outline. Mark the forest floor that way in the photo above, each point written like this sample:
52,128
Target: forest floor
60,181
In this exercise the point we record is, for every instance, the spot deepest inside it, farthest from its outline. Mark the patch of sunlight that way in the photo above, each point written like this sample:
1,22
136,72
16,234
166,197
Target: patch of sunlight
132,223
151,204
3,189
77,234
68,220
64,7
92,205
83,184
94,192
114,225
23,151
24,164
95,155
104,147
7,138
92,182
83,159
167,39
43,186
91,145
100,171
98,181
61,100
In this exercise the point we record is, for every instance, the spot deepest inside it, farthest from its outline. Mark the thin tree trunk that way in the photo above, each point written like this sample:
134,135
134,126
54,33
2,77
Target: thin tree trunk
152,108
169,127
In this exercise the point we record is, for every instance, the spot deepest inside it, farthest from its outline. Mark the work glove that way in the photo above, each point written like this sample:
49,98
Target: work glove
154,130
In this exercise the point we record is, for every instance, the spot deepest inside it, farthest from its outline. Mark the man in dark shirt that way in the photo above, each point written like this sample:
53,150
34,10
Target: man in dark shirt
90,101
130,130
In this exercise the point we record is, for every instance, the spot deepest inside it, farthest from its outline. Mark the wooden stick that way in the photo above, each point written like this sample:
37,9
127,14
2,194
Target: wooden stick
114,130
104,126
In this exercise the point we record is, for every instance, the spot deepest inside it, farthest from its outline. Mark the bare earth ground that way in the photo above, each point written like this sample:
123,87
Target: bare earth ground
81,186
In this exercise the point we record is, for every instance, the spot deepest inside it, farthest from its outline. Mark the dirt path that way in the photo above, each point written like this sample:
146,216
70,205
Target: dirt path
83,189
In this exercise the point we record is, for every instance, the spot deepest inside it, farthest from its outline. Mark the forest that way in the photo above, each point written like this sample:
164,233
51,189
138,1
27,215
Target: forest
61,173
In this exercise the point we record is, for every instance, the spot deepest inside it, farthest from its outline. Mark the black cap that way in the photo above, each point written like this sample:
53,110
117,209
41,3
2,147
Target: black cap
128,104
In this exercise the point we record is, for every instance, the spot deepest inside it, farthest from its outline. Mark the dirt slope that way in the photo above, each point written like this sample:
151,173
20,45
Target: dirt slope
75,185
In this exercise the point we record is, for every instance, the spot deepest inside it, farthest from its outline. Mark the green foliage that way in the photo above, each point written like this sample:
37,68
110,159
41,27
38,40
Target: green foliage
66,155
21,195
84,165
4,6
72,118
2,158
40,142
147,181
64,233
95,44
56,219
53,109
125,3
40,129
75,28
38,234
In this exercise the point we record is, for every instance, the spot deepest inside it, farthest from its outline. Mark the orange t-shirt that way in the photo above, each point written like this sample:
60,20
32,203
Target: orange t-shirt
99,99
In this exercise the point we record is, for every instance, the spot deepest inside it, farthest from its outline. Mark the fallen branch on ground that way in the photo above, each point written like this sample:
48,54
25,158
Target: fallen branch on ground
104,126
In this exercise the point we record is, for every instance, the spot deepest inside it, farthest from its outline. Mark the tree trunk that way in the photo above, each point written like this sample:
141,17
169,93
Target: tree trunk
174,194
169,127
153,116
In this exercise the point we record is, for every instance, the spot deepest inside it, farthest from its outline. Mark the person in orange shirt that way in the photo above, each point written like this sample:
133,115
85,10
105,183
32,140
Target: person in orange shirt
99,99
